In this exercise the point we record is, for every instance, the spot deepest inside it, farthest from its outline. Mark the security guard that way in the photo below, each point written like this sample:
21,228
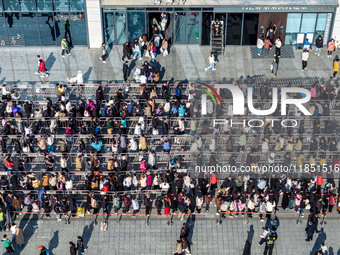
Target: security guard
270,240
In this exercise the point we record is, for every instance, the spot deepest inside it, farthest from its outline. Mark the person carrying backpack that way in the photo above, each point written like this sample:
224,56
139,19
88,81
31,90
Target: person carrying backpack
8,244
270,241
43,250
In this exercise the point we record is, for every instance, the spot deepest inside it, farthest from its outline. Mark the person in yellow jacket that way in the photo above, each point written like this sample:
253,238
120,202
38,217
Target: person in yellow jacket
335,67
64,47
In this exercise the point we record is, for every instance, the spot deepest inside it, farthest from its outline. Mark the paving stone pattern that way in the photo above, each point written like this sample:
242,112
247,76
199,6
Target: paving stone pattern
132,236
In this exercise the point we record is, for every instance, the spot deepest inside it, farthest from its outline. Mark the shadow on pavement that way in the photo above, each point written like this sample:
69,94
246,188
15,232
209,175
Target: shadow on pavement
87,232
54,242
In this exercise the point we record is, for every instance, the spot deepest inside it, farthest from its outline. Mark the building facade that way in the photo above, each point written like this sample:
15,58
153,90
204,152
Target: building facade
42,22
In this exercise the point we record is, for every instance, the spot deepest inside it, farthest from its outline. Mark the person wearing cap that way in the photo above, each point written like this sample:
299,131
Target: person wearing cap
43,250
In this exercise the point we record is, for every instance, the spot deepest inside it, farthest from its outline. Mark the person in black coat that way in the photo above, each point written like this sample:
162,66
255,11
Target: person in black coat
47,207
99,94
73,250
247,248
80,245
310,231
72,206
126,51
126,70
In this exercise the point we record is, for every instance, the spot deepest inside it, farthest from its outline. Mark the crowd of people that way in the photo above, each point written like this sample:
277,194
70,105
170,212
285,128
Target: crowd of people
112,160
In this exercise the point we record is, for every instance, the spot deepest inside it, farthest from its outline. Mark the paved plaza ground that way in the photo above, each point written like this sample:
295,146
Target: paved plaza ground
184,62
132,236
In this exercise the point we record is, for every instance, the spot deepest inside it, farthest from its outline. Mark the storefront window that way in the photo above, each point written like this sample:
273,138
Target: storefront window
180,27
59,26
293,23
30,24
234,27
250,25
109,27
3,31
206,23
46,28
136,23
78,28
45,5
27,5
321,23
15,33
308,23
61,5
121,27
76,5
193,27
11,5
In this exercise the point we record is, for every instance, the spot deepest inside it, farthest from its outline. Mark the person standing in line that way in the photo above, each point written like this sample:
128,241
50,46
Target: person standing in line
331,47
73,250
8,244
64,47
104,53
278,44
80,245
38,56
318,45
148,204
305,56
67,29
259,45
212,62
335,66
275,66
126,71
267,45
135,206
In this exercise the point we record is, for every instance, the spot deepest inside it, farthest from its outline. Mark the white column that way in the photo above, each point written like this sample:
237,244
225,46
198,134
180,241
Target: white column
94,23
336,28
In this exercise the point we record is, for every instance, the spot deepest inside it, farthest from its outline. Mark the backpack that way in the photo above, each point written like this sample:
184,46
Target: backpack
46,251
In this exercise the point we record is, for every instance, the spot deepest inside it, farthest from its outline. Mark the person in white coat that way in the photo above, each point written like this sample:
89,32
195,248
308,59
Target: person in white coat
259,45
278,45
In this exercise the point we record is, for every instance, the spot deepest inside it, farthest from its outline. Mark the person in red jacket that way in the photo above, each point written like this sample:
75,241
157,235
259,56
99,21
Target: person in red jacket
267,45
42,68
319,182
9,163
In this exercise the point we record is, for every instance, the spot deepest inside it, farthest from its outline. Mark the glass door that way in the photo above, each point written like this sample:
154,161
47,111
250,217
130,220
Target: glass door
180,27
109,27
206,21
120,24
234,27
250,26
136,23
193,27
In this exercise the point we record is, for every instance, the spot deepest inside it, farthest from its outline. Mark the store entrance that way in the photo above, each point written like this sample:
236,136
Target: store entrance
159,23
278,23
